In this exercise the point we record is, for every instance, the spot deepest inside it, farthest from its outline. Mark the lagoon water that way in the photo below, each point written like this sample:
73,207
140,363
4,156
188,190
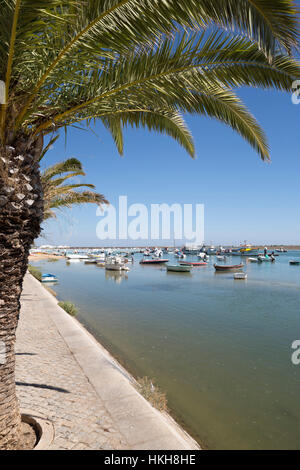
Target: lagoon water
220,348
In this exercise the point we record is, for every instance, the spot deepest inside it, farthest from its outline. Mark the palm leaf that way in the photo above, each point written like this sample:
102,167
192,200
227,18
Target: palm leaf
130,62
57,194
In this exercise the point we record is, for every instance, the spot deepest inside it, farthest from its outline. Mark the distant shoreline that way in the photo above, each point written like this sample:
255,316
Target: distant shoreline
275,247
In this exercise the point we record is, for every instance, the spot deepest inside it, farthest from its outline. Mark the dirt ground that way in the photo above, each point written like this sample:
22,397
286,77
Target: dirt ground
28,437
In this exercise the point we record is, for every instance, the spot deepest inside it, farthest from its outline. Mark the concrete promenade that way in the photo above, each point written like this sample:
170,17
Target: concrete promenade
64,375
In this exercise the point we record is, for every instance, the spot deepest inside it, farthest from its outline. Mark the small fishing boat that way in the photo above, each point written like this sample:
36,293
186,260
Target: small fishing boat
91,261
115,263
253,260
220,258
101,264
240,276
225,268
157,253
178,268
180,254
266,258
295,261
154,261
100,257
49,278
204,257
192,263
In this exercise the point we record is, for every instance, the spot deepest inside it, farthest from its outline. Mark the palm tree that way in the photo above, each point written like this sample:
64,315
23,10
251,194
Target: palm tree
58,195
123,62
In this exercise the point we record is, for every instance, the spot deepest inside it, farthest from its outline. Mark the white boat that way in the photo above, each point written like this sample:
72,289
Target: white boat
253,260
157,253
77,256
115,263
180,255
240,276
203,256
49,278
100,257
221,258
179,269
91,261
266,258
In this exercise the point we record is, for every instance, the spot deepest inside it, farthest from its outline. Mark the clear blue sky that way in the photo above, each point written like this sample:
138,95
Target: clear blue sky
245,199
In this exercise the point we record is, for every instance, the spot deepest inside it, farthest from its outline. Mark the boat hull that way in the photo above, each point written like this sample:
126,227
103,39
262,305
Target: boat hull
240,276
191,263
49,278
111,267
224,268
154,261
179,269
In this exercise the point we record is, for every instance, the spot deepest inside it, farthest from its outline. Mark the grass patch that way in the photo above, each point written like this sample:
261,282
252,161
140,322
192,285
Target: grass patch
151,392
69,308
35,272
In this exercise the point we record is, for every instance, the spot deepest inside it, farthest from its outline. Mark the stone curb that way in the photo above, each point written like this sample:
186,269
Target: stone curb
43,427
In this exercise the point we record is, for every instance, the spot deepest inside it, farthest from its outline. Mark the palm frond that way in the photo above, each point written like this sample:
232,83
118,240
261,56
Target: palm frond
16,9
57,194
73,198
71,164
130,62
48,146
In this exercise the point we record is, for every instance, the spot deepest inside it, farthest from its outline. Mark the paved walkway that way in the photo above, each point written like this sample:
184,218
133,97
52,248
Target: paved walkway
64,375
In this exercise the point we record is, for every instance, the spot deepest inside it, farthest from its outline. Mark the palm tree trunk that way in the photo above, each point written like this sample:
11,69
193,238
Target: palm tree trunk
21,211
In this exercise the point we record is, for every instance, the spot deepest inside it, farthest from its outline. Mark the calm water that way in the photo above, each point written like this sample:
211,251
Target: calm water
220,348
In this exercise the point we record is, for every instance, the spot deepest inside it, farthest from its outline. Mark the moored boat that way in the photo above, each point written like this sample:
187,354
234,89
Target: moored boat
240,276
179,268
154,261
101,264
49,278
224,267
115,263
180,254
295,261
266,258
77,256
192,263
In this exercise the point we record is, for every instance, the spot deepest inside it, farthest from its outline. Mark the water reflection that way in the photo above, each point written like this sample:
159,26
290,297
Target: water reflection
117,276
51,284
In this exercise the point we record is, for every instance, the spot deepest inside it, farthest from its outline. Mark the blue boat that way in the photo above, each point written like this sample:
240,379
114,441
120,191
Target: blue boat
49,278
